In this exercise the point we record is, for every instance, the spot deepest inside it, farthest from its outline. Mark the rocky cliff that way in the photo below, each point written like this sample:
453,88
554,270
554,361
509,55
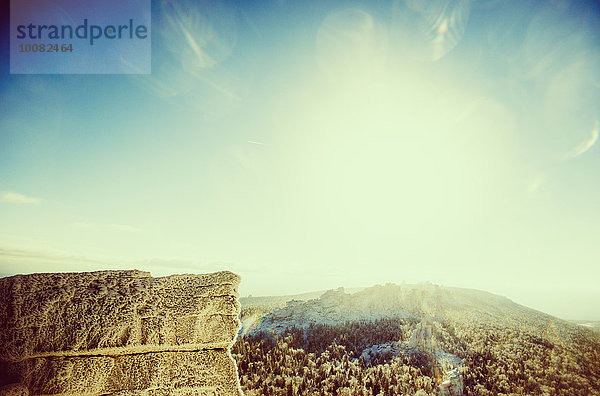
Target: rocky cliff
118,333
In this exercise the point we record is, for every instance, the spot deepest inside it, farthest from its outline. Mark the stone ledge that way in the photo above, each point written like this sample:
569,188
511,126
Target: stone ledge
198,372
118,332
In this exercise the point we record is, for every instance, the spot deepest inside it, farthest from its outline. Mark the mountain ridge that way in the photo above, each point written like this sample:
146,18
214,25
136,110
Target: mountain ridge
336,306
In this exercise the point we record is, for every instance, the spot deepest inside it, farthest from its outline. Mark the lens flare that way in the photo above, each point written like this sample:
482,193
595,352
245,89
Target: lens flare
586,145
195,40
351,46
429,30
250,323
202,35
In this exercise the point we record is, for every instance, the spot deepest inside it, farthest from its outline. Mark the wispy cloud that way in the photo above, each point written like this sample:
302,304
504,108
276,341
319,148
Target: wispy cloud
106,227
23,261
123,227
16,198
17,260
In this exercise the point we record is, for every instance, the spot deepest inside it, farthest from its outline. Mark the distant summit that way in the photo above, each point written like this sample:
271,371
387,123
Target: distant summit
387,301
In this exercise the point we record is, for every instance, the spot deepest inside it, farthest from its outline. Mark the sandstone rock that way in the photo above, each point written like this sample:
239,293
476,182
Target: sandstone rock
14,390
163,371
119,331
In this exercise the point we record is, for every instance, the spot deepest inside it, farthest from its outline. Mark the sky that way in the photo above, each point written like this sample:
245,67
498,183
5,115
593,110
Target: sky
307,145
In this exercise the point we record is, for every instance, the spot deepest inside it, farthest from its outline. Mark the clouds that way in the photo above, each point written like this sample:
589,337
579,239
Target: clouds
106,227
16,198
16,260
24,261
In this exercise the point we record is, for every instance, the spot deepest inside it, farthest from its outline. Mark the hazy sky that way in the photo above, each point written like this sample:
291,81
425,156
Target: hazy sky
308,145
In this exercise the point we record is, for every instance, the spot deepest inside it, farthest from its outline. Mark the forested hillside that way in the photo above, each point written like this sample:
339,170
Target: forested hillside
470,342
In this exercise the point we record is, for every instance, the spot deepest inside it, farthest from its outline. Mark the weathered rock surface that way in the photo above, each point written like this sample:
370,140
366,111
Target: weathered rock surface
118,332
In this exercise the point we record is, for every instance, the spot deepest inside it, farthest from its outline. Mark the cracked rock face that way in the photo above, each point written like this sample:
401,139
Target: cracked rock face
118,332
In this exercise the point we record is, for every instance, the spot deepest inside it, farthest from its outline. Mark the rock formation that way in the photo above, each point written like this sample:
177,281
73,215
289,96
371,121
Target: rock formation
118,333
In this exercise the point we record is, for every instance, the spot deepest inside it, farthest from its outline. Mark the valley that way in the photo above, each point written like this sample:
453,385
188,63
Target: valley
419,339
